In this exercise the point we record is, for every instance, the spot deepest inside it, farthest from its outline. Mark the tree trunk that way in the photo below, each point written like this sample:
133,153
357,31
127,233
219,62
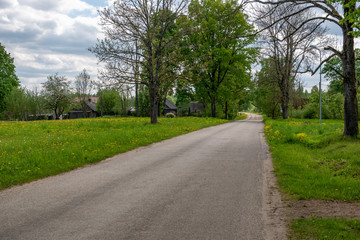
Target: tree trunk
284,100
57,117
101,104
83,106
213,107
284,109
351,116
226,110
159,108
153,105
137,99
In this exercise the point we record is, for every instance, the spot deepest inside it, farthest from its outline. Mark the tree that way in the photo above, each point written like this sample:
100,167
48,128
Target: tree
16,104
140,34
267,95
289,45
83,87
216,45
334,73
327,11
23,104
234,91
8,78
114,101
57,95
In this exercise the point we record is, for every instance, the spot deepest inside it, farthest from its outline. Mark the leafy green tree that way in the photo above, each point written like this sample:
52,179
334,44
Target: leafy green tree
113,102
216,45
184,95
8,78
267,94
23,104
108,98
332,105
57,95
17,104
234,91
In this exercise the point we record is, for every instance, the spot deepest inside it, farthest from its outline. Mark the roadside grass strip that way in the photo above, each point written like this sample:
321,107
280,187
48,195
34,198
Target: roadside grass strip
34,150
313,161
334,229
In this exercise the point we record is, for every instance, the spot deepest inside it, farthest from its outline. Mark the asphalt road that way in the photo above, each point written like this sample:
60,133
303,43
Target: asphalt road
203,185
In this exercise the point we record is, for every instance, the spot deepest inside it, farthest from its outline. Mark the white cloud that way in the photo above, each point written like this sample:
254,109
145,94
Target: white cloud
46,37
62,6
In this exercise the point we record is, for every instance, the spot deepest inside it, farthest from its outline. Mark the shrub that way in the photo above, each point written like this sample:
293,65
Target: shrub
170,115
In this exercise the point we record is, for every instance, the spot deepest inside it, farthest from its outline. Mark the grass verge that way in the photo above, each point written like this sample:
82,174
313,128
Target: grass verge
325,229
34,150
313,161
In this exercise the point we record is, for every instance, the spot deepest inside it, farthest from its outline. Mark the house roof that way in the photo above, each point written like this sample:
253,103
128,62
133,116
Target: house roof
91,105
88,99
169,105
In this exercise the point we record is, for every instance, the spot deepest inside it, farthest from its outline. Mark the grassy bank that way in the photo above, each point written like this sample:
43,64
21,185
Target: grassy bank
33,150
313,161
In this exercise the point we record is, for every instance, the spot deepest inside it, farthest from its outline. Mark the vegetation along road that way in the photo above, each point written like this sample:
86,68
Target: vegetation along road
207,184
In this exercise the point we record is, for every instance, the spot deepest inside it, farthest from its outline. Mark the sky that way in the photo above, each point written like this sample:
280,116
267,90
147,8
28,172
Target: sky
53,36
50,36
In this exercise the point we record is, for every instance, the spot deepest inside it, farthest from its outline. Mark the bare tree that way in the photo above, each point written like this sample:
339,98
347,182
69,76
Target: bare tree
336,12
288,45
83,86
139,34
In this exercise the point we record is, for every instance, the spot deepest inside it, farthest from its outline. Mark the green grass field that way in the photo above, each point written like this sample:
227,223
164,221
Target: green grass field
33,150
313,161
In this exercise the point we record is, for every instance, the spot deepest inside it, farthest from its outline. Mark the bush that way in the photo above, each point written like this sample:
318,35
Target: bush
170,115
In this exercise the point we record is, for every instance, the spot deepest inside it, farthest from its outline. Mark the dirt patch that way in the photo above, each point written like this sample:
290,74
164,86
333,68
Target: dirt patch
321,208
274,210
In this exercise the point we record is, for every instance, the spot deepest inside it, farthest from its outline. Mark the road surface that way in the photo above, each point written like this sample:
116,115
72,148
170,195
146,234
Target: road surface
206,184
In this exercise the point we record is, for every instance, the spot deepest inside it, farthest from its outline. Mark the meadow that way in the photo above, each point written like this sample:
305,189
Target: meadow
313,161
34,150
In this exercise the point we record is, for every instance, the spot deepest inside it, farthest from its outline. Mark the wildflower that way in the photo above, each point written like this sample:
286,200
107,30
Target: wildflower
301,136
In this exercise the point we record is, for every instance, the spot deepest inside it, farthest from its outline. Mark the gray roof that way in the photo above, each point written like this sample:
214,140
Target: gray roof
170,105
91,105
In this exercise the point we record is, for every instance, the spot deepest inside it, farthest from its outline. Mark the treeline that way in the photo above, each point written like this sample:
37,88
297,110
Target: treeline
192,51
302,104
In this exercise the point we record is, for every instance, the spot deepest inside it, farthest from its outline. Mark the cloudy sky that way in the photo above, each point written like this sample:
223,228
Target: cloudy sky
52,36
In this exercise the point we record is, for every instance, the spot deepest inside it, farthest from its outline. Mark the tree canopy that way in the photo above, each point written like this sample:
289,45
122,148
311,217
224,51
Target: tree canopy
8,78
57,95
217,46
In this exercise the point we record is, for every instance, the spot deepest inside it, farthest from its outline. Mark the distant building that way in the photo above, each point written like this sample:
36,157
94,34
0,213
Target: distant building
196,107
90,109
89,99
169,107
